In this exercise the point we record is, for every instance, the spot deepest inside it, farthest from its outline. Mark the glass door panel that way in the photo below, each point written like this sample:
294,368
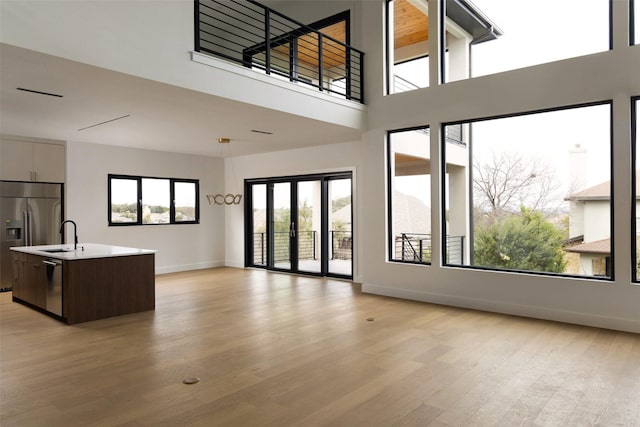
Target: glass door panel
340,228
309,222
259,216
281,229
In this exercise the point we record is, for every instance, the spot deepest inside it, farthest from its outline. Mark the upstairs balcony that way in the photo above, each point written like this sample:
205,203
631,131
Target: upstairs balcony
260,38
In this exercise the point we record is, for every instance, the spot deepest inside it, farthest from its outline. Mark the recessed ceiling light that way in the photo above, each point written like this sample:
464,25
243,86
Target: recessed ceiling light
264,132
55,95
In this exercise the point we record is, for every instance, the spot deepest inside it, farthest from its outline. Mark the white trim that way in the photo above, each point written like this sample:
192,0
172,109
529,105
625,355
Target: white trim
536,312
189,267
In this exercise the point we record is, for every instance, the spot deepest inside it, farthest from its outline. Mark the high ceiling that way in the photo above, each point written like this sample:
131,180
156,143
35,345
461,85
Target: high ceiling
106,107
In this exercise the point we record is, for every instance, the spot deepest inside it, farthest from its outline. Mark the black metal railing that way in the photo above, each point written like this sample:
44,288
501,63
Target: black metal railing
413,248
454,134
341,246
455,250
307,245
400,84
263,39
416,247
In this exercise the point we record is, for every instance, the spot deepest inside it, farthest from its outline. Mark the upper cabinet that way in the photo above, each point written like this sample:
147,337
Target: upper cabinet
32,161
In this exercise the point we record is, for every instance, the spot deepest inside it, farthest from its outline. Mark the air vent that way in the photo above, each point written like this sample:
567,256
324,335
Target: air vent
55,95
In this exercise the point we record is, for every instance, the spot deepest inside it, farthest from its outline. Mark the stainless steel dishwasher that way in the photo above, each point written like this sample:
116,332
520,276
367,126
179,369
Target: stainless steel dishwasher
53,269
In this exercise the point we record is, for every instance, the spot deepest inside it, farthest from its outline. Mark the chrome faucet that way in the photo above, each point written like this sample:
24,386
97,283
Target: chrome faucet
75,232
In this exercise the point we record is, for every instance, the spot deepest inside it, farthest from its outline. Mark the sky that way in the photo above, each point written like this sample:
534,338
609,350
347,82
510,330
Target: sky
532,36
155,192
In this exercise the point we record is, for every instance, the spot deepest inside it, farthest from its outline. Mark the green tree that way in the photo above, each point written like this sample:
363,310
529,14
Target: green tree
520,242
337,204
305,217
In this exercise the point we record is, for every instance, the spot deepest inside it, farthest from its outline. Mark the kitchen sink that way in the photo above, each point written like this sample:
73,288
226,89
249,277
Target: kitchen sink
55,251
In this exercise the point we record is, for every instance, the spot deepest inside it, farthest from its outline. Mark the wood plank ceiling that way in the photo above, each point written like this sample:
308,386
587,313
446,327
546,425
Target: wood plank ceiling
411,25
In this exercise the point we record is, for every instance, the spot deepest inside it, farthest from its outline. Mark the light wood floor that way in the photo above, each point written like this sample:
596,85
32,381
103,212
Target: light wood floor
279,350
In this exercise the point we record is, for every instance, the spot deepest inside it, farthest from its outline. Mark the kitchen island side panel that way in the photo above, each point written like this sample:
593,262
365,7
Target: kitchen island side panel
98,288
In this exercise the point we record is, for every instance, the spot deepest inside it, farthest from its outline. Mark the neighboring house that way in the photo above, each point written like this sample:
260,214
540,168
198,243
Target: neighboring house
590,228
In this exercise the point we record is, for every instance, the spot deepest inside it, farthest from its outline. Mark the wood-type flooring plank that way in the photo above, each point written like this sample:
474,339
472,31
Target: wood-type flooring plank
279,350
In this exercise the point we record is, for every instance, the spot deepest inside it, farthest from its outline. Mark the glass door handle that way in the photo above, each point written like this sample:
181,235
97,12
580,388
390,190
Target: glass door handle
292,230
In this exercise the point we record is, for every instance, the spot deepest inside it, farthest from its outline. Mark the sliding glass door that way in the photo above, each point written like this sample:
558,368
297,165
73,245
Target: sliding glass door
340,231
300,224
309,226
281,225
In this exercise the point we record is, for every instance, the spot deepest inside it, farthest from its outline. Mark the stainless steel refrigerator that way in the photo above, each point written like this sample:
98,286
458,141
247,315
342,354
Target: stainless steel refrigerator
31,214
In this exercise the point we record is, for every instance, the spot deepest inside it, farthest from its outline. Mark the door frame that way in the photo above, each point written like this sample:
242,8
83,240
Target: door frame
324,178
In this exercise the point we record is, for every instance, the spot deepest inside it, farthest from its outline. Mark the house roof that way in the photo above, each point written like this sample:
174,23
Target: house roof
600,192
598,247
470,17
597,192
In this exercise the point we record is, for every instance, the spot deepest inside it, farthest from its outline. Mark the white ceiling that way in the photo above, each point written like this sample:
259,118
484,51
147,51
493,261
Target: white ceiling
160,116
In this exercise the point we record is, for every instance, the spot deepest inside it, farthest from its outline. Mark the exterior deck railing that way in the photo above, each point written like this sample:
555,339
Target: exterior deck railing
265,40
415,247
341,246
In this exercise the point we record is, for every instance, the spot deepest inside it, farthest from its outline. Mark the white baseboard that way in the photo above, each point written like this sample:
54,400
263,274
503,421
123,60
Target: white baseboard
586,319
188,267
234,264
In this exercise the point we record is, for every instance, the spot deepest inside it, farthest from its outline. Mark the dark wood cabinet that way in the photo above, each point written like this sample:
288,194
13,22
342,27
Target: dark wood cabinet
29,279
106,287
92,288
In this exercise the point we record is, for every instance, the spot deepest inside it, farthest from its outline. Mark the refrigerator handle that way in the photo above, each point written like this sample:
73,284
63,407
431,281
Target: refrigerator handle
26,225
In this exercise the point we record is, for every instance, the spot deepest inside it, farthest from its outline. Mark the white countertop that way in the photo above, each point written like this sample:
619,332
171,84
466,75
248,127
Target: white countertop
84,251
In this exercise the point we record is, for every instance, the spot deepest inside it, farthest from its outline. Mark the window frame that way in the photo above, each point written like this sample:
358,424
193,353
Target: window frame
389,84
139,216
635,140
443,162
634,38
390,237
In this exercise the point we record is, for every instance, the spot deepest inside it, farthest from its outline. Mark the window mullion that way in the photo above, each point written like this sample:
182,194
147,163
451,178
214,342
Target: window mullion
172,201
437,13
139,216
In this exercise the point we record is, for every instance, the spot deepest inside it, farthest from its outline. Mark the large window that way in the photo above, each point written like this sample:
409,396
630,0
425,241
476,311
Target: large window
635,109
491,36
408,45
409,183
136,200
532,192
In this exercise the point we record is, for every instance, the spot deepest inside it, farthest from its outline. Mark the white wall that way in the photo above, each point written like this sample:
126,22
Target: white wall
327,158
597,217
154,40
180,247
608,75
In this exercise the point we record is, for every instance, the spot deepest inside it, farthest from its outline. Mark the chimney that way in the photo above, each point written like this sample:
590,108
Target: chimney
577,168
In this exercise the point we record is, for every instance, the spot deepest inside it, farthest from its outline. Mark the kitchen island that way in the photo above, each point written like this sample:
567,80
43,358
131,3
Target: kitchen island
89,283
